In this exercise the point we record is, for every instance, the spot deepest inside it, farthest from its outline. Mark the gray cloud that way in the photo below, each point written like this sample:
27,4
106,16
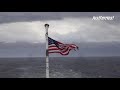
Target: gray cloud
90,31
6,17
95,38
65,26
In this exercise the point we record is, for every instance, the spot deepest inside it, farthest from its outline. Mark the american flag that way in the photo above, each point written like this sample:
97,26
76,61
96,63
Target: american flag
58,47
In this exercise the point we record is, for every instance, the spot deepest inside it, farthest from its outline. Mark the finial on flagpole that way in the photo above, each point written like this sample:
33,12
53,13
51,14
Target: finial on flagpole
46,25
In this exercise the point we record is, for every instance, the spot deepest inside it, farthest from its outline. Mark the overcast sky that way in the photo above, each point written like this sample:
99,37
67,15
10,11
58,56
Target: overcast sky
64,26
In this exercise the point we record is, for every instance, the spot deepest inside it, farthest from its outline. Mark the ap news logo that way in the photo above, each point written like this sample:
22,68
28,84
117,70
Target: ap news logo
103,18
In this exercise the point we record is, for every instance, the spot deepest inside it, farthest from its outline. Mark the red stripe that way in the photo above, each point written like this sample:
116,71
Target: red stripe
67,51
52,46
63,51
59,42
53,49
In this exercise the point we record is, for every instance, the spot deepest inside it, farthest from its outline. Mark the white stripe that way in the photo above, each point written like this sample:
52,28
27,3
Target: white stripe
54,51
52,45
67,51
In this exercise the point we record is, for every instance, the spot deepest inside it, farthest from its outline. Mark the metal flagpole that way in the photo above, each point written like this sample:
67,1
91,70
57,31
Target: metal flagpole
47,55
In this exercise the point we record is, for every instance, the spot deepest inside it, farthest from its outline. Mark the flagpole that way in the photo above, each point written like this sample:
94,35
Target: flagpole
47,54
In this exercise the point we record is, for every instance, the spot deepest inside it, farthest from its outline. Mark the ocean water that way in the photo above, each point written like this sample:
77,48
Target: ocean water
61,67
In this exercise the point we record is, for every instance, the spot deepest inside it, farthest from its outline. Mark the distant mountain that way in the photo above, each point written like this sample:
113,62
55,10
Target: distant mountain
23,49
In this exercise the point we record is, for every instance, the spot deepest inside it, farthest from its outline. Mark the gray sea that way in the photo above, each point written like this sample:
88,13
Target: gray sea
61,67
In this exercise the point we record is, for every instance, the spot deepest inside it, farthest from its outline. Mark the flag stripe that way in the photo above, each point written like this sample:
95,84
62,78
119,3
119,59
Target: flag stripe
58,47
66,51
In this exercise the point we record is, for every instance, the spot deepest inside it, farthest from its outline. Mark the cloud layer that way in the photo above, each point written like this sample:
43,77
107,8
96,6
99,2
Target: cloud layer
70,29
